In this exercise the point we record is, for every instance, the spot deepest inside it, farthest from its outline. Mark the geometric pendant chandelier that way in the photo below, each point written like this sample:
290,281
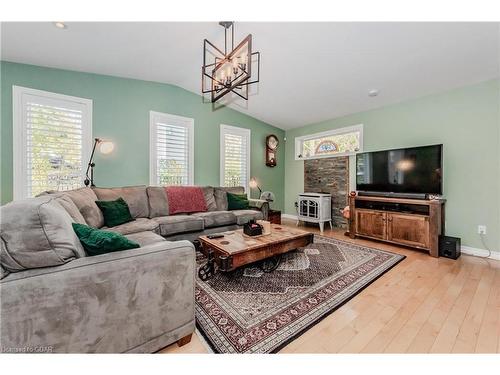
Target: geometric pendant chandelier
230,70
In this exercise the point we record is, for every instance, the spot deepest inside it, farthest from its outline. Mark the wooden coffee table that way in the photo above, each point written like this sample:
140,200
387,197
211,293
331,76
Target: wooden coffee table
236,249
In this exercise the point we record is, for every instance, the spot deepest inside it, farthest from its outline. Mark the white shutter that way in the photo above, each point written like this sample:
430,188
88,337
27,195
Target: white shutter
52,135
235,156
171,149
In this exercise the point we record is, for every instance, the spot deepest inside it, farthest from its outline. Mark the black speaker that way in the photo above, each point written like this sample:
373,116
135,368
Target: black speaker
449,247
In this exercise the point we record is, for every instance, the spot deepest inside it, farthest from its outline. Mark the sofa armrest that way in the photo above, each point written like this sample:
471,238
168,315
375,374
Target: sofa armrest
114,302
261,205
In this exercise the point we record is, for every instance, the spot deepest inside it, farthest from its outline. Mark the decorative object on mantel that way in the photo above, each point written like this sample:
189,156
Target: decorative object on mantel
229,71
271,146
105,147
315,208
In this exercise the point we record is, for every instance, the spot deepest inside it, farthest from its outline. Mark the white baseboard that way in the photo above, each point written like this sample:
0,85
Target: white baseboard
465,249
288,216
480,252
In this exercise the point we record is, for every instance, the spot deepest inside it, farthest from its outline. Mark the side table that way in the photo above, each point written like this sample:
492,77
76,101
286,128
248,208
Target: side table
274,216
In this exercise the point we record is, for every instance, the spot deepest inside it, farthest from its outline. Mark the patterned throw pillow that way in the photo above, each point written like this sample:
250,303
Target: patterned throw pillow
98,241
115,212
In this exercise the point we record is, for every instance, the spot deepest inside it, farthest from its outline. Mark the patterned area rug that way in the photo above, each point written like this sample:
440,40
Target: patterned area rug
250,311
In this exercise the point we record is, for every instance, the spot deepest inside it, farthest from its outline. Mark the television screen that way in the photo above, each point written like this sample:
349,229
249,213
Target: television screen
406,170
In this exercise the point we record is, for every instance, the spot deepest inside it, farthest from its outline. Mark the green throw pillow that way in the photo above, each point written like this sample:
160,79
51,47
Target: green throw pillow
97,241
237,202
115,212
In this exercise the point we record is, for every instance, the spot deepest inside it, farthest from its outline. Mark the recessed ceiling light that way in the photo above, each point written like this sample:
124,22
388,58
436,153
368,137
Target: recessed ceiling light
373,92
60,25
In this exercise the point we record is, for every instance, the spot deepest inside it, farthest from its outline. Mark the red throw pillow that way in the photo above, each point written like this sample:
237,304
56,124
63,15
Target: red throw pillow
185,199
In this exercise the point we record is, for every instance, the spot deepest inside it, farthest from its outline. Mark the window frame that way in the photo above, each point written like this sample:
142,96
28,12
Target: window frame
225,129
176,120
19,133
348,129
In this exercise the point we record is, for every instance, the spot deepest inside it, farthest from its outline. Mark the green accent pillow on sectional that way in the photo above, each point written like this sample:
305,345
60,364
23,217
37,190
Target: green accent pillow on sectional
237,202
115,212
97,241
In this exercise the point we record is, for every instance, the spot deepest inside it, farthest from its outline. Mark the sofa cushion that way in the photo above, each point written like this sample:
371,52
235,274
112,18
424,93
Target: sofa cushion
179,224
157,201
208,194
115,212
221,196
135,196
84,198
37,233
98,241
65,201
138,225
145,238
216,218
244,216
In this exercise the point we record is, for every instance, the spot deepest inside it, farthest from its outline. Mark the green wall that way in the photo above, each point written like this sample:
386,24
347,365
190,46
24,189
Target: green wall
466,121
121,113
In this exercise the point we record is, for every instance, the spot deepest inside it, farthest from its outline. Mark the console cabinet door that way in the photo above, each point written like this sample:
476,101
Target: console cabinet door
411,230
371,223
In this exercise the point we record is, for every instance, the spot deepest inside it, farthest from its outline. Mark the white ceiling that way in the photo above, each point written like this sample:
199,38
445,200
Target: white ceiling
309,71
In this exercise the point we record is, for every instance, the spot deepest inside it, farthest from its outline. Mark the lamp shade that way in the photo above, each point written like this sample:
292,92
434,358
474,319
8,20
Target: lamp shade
106,147
253,183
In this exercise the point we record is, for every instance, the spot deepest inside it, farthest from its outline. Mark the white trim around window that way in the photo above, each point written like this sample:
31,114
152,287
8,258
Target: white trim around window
24,100
246,135
158,124
348,129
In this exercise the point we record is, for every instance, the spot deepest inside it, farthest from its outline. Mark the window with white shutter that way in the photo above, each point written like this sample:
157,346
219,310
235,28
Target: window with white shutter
234,156
52,140
171,149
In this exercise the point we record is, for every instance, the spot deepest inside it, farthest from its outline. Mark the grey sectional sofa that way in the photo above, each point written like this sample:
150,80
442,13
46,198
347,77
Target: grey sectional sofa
54,298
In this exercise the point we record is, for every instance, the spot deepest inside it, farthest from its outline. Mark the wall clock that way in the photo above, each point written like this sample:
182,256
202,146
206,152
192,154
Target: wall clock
271,147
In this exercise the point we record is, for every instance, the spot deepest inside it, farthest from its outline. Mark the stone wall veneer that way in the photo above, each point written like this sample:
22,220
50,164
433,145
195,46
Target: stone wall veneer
329,175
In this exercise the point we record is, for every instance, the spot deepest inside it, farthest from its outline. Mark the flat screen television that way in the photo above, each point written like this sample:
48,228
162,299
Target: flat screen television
415,170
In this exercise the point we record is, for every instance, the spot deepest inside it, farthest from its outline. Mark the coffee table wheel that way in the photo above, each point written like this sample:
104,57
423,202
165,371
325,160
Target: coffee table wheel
270,264
197,245
207,271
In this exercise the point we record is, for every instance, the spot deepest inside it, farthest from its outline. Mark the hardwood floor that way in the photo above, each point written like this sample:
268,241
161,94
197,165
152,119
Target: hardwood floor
423,305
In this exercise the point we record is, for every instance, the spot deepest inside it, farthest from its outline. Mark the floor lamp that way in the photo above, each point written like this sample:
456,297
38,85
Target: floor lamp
105,147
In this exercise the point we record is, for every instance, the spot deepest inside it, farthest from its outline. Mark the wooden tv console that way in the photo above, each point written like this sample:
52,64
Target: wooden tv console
411,222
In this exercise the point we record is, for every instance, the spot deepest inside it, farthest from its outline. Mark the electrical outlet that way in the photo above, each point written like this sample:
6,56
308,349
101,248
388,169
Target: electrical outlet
481,229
